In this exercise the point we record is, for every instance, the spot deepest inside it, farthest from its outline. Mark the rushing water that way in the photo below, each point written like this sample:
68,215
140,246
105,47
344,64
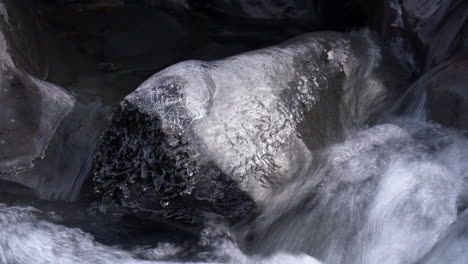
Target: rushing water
387,194
395,192
29,236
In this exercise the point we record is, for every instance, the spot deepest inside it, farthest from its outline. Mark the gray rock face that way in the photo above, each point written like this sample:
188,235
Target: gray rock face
46,137
221,136
31,109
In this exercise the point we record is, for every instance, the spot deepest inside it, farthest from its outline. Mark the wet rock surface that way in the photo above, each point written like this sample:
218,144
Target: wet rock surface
31,109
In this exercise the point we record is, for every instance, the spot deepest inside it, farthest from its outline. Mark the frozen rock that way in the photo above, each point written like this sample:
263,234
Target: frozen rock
29,115
222,136
67,160
31,109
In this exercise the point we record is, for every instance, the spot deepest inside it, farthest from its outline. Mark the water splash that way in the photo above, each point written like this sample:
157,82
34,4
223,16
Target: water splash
385,195
27,235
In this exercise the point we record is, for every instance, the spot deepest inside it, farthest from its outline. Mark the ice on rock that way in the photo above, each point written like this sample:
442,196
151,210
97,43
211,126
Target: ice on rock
253,119
30,112
31,109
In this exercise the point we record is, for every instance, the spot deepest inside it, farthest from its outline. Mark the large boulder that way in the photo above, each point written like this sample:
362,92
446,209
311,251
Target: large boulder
222,136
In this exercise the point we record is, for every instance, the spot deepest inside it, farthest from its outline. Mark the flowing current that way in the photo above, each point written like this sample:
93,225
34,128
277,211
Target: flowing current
390,193
387,194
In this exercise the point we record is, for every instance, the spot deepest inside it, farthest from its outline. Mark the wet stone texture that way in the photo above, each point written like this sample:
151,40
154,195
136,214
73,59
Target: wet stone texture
139,166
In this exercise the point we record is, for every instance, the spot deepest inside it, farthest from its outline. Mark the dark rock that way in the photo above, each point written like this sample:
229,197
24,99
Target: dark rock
431,39
447,86
440,27
433,30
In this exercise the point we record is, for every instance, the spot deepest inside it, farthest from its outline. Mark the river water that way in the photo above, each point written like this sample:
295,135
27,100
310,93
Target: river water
387,194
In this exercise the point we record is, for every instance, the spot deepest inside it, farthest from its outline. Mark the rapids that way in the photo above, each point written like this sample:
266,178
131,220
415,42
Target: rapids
387,194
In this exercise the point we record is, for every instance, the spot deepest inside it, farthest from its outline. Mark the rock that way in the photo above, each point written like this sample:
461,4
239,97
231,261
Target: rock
440,27
67,161
447,86
30,113
430,38
268,9
19,29
31,109
12,191
46,136
432,29
222,136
